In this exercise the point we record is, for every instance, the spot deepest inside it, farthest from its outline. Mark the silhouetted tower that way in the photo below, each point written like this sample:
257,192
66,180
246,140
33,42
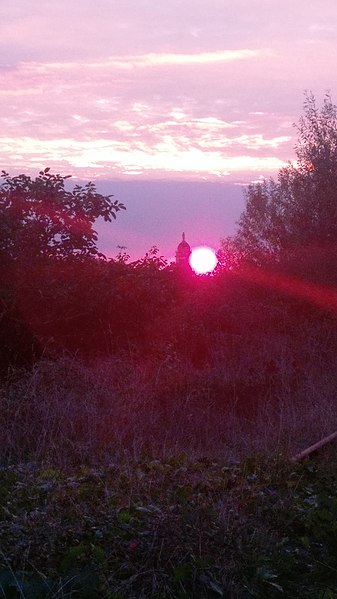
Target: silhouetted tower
183,253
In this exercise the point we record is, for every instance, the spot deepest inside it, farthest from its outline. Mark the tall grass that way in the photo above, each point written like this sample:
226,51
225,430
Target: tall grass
250,396
138,475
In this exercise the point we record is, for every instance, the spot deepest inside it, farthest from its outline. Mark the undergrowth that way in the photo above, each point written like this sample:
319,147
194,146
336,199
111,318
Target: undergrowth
170,528
159,468
71,412
125,479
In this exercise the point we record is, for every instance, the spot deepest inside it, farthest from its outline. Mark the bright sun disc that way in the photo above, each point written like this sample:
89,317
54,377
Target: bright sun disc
203,260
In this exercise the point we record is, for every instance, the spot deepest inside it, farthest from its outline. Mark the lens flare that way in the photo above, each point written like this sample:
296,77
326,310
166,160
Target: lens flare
203,260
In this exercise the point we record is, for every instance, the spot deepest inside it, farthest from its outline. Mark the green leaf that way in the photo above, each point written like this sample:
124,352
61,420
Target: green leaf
72,556
98,554
305,541
124,517
181,572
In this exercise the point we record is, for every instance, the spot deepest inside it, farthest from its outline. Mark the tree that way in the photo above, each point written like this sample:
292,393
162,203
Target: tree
40,218
299,209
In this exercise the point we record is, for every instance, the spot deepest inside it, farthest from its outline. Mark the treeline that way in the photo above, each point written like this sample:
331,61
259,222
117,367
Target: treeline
59,293
90,307
94,307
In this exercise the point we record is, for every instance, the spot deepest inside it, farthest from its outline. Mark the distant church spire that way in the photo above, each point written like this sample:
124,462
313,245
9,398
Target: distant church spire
183,253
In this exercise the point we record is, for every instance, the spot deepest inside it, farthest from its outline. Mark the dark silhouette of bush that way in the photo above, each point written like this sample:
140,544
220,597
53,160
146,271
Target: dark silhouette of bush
47,239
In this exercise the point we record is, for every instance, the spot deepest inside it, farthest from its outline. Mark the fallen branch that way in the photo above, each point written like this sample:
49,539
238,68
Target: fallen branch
313,448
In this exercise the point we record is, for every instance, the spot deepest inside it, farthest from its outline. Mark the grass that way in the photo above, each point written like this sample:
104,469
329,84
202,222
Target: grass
157,478
170,528
70,412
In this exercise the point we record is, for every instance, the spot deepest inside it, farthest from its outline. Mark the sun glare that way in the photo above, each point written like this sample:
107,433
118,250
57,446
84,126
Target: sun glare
203,260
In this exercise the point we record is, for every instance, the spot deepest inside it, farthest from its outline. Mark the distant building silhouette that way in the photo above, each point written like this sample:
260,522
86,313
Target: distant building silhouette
183,254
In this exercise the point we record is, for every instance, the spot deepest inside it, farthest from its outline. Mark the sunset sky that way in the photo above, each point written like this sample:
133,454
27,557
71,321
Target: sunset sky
171,106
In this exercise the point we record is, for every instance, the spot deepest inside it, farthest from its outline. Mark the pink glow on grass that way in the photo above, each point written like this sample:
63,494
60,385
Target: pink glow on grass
311,292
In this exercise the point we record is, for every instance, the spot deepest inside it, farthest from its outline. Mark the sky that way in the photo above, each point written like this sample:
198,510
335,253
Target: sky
171,106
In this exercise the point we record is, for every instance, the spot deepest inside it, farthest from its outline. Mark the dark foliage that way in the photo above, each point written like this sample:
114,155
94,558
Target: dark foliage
170,528
40,218
299,208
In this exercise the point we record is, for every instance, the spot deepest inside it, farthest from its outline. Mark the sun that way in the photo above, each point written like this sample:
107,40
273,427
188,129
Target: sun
203,260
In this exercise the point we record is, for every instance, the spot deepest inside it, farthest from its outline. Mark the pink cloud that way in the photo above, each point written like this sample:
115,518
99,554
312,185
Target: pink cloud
149,89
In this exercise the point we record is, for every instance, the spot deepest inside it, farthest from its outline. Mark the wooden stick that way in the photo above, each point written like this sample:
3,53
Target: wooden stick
312,448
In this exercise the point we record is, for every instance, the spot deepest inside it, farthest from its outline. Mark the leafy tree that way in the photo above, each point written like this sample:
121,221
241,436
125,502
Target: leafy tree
40,218
299,209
